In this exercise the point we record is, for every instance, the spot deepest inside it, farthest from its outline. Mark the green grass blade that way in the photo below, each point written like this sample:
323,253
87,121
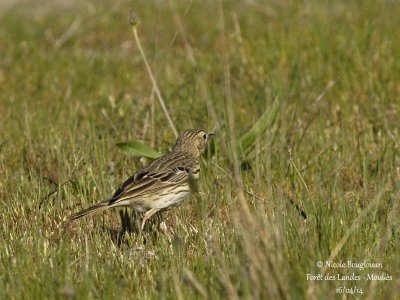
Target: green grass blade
267,119
136,148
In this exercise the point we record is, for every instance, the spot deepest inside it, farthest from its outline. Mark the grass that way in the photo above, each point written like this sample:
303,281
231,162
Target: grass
73,85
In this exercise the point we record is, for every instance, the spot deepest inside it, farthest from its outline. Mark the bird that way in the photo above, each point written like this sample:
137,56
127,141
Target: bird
161,185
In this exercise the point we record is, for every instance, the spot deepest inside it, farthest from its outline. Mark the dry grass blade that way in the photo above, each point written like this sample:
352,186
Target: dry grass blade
245,211
72,29
134,21
195,283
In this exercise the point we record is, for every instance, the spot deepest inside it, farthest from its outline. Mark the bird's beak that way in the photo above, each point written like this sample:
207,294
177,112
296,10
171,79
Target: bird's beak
210,135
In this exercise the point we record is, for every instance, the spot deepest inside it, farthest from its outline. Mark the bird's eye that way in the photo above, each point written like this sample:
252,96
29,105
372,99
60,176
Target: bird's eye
205,137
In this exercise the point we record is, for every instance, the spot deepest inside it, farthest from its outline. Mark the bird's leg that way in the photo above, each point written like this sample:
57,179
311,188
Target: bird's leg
159,217
148,215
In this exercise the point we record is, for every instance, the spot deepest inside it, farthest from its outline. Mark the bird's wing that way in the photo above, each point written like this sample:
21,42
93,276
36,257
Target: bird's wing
164,172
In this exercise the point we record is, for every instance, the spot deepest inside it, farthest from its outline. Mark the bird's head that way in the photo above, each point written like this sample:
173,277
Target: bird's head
193,141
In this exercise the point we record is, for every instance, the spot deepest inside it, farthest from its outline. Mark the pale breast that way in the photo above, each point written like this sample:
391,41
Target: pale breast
170,198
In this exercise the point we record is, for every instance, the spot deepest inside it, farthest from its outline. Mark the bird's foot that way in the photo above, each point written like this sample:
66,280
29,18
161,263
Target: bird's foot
164,229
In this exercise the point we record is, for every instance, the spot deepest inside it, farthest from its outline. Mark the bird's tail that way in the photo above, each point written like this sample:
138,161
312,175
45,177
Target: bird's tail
90,210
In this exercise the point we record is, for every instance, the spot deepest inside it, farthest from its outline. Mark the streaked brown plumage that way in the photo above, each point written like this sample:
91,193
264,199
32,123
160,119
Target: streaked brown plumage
163,184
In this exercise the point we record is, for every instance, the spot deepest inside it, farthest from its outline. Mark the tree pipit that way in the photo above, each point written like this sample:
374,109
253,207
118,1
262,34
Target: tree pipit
163,184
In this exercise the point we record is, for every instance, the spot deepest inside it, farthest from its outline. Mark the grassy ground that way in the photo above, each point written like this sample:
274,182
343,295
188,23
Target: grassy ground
73,85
